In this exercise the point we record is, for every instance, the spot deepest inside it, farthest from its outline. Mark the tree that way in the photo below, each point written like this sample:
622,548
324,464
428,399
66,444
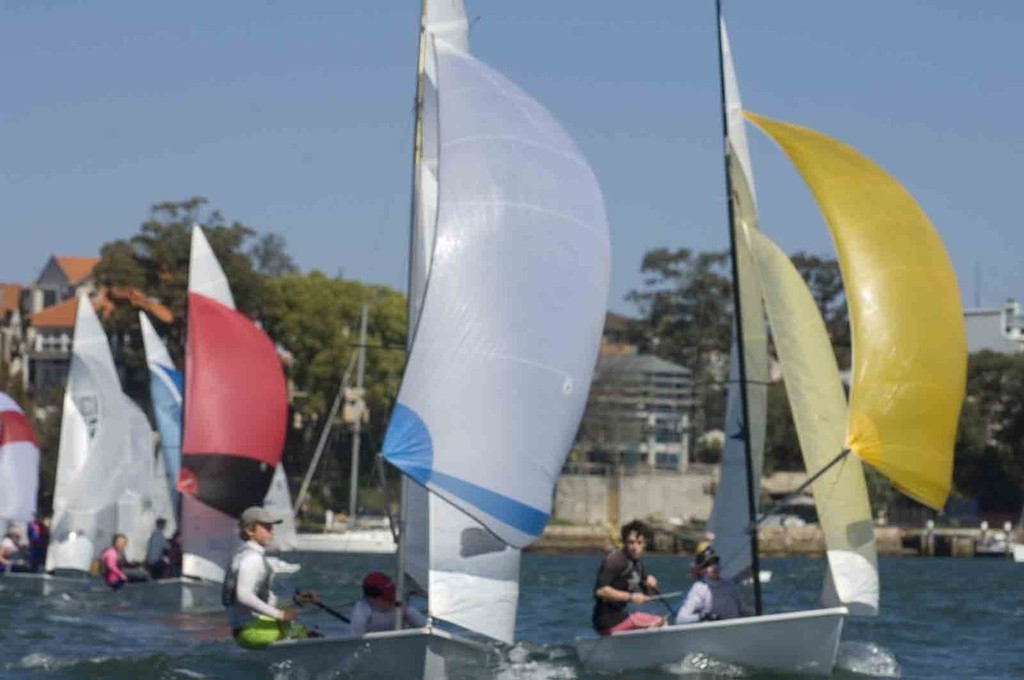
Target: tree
270,256
316,318
686,308
826,285
156,261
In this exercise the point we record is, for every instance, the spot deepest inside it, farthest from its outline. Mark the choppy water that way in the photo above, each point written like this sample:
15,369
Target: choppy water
941,618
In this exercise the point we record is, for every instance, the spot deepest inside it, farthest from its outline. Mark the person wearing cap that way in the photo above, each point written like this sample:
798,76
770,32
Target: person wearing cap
712,598
255,619
376,611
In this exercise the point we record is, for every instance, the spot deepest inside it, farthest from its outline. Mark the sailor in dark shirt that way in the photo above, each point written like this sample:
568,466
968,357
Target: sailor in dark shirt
622,580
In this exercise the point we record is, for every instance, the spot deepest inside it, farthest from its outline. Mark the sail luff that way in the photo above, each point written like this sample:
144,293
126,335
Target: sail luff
748,325
818,405
906,387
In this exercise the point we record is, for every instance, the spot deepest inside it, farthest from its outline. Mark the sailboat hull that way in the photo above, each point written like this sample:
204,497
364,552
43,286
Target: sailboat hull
804,642
427,653
183,594
1018,552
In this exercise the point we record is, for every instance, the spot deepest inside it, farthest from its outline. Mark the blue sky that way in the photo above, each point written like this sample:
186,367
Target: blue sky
297,118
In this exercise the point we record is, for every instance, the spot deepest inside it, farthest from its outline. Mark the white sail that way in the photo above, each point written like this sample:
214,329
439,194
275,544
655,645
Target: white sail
279,502
471,578
145,495
819,409
205,275
208,536
478,591
92,465
730,517
19,463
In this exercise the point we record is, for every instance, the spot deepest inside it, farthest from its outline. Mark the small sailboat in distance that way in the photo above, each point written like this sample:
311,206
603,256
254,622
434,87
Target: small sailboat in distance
235,414
907,388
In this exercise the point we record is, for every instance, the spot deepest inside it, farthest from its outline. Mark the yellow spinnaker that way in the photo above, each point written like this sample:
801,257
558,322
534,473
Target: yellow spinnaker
909,349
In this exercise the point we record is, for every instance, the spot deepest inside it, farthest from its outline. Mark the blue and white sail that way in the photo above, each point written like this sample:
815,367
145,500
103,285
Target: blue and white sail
510,323
166,385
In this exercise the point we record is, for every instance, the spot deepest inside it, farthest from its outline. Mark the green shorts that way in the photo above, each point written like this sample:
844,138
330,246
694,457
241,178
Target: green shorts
262,631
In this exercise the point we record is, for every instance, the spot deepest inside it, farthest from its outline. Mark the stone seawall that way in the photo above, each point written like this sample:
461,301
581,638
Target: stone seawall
774,541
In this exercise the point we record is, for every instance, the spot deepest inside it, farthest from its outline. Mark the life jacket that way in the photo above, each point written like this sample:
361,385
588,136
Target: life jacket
228,589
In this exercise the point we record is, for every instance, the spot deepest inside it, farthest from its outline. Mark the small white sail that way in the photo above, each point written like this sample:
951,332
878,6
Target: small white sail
279,502
730,518
166,384
819,409
145,495
91,465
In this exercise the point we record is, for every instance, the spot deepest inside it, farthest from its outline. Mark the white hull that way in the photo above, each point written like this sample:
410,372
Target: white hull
182,594
804,642
427,653
371,541
1018,552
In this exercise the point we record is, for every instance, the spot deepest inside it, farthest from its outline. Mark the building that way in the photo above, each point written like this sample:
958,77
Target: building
997,329
638,413
10,323
49,307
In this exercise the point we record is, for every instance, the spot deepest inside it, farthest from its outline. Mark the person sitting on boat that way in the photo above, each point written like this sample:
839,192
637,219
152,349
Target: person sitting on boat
175,554
38,542
376,611
712,597
10,551
113,564
255,619
621,580
155,561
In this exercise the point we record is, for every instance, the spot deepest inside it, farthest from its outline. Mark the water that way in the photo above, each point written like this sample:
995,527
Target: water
940,618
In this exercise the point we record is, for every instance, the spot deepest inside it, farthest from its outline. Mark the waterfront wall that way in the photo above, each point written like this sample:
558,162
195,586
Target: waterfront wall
616,498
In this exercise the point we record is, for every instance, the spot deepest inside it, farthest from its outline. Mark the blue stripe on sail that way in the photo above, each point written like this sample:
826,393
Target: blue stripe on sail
407,442
175,376
167,409
408,446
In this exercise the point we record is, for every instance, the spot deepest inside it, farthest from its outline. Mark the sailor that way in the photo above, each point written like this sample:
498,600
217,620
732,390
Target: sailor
175,554
712,597
38,541
255,619
621,580
156,564
375,612
113,564
10,551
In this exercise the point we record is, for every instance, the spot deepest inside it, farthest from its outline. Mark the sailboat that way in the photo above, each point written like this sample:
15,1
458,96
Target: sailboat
166,384
105,463
19,464
92,459
905,394
508,283
235,413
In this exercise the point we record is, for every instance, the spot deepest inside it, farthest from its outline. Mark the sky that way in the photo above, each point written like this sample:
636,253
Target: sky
297,118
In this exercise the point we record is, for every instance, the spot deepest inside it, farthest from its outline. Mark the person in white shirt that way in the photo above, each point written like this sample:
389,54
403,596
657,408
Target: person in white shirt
376,611
256,621
712,598
156,564
10,551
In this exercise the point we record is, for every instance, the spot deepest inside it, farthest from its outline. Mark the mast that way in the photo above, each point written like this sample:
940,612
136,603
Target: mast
755,565
356,426
417,153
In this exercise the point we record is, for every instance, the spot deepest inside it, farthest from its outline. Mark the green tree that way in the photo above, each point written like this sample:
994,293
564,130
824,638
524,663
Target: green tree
686,312
317,319
156,261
